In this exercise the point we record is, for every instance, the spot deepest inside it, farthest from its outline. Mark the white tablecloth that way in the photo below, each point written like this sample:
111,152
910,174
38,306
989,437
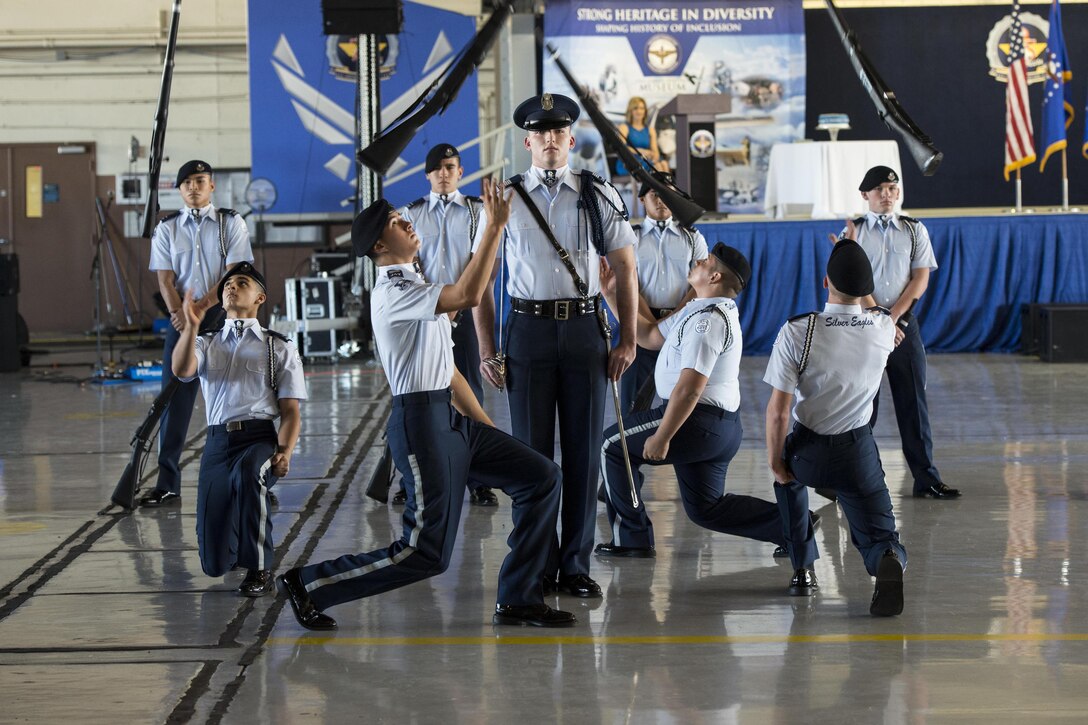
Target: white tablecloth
826,175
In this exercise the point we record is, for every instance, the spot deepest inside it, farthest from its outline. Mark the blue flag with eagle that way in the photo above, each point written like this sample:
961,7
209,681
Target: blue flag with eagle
1057,96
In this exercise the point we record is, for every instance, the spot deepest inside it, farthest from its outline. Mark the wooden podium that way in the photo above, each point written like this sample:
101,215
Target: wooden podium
696,171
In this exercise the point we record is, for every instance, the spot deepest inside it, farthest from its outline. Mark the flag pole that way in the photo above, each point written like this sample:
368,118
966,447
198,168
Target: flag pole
1065,182
1019,202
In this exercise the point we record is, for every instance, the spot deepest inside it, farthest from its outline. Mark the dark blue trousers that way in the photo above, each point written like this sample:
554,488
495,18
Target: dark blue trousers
174,424
561,366
437,450
700,453
639,372
907,379
849,464
466,353
233,516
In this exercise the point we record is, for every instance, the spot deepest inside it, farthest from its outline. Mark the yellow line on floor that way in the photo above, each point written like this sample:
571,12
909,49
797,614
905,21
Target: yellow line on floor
514,639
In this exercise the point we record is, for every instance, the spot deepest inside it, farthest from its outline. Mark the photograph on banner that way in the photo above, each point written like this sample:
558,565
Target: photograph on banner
751,53
303,97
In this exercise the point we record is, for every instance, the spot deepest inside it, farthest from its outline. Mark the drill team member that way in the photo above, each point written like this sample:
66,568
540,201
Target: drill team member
558,362
249,376
440,439
697,428
450,226
832,362
666,252
191,250
902,257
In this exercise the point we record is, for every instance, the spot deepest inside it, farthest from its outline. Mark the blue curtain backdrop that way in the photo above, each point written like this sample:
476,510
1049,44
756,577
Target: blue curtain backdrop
989,267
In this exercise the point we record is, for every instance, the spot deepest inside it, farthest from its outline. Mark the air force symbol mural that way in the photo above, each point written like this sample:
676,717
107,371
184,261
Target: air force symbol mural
302,101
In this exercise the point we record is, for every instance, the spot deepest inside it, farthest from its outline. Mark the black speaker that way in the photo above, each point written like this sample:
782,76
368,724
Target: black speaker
10,344
362,17
1061,333
9,275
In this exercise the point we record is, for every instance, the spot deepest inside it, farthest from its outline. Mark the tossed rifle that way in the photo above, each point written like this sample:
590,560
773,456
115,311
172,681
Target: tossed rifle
158,136
384,150
124,494
918,143
682,207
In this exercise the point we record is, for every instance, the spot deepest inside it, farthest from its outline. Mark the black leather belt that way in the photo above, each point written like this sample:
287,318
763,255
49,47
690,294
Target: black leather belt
555,309
660,312
713,410
423,397
836,439
237,425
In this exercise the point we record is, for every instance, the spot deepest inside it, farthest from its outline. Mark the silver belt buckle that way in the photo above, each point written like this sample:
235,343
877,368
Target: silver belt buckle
234,425
562,309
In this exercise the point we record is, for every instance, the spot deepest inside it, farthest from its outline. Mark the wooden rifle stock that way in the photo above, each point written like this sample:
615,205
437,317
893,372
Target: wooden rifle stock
158,135
686,211
384,150
917,142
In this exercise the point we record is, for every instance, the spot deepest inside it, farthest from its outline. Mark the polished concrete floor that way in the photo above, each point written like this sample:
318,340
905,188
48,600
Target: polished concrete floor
105,617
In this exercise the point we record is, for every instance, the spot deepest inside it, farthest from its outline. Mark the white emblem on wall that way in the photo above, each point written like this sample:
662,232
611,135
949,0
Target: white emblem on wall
662,53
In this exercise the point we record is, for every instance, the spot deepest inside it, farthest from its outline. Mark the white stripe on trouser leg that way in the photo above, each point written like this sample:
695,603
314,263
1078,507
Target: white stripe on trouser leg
262,527
404,553
614,440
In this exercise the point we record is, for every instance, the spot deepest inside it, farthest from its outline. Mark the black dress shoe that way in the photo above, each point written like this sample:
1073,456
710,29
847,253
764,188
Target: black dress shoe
158,497
273,500
578,585
888,594
633,552
803,583
400,498
290,584
828,493
781,552
483,496
257,583
532,615
937,490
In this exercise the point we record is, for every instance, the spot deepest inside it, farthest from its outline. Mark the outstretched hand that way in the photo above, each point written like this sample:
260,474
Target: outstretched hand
194,310
850,233
496,201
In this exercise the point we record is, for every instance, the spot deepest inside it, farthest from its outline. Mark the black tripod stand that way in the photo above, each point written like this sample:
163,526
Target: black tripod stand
107,370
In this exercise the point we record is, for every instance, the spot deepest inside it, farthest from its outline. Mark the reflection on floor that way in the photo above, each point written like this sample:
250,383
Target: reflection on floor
106,617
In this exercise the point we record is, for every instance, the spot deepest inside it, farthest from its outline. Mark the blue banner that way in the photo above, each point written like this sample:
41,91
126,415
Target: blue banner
1057,96
752,50
302,102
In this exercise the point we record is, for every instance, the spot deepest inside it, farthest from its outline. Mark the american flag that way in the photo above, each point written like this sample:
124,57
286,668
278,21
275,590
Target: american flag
1019,147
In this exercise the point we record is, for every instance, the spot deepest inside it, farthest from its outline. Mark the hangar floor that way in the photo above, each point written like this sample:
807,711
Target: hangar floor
106,617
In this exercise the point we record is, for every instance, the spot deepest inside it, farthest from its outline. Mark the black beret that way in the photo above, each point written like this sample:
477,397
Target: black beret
849,269
735,261
876,176
665,178
367,228
437,154
192,167
546,112
242,268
